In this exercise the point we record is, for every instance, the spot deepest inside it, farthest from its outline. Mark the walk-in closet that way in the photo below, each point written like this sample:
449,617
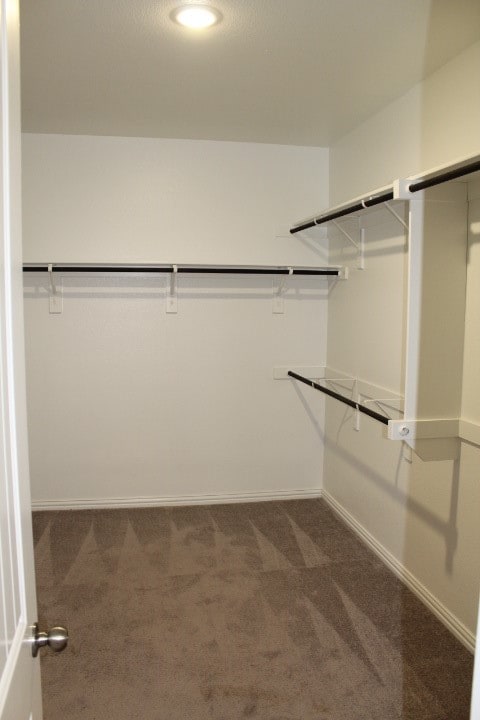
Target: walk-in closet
241,336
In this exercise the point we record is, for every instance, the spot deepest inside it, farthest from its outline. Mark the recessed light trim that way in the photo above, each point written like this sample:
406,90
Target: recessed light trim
196,17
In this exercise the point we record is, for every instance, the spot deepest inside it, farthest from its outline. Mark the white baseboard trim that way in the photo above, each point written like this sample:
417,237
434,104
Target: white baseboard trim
456,627
168,500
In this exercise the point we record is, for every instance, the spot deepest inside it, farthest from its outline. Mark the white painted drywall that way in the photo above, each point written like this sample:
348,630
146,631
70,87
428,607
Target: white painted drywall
436,122
471,375
424,513
126,401
101,199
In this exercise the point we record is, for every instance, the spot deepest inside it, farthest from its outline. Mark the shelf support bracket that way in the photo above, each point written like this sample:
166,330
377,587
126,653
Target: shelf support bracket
56,296
172,296
359,245
278,296
346,234
396,215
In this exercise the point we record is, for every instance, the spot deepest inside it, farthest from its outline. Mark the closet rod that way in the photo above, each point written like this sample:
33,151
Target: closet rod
223,269
444,177
356,207
337,396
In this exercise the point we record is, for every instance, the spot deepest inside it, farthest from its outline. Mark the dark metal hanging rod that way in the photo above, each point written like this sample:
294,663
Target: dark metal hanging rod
446,176
366,411
442,177
207,269
348,210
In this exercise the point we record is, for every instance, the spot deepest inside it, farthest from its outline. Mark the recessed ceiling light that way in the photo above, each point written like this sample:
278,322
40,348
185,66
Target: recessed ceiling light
197,17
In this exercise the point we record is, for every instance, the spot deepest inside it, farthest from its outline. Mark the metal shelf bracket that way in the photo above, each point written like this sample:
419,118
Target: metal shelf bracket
358,244
278,295
56,295
171,305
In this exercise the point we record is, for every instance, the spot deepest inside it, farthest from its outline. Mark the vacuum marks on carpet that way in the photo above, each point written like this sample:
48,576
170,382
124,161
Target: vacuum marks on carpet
272,611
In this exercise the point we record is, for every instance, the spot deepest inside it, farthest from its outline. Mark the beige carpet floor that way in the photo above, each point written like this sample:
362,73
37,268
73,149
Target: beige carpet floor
271,611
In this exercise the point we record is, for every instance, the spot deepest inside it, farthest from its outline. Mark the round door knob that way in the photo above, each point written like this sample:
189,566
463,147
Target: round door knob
56,639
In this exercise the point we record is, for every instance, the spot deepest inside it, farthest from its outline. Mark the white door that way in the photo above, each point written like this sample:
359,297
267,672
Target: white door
475,710
19,671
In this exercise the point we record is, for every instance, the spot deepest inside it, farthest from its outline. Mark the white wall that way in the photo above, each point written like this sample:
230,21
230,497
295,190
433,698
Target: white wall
126,401
471,376
423,514
101,199
436,122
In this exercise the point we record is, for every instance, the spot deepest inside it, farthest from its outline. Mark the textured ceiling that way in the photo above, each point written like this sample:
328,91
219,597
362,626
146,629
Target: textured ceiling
299,72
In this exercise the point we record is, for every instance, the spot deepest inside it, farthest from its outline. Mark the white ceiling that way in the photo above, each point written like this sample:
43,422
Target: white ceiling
299,72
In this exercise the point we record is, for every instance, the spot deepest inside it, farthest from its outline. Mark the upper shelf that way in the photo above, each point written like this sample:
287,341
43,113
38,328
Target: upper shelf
444,173
398,190
357,205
